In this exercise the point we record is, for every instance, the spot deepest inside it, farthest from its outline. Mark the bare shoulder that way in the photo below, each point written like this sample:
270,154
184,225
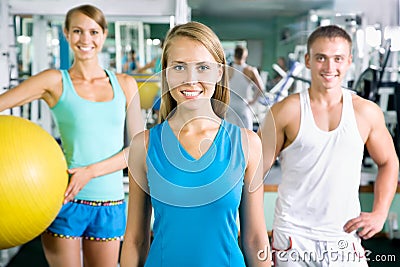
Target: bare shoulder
251,143
128,84
366,108
140,140
288,106
126,81
138,148
250,71
52,73
50,76
250,137
47,84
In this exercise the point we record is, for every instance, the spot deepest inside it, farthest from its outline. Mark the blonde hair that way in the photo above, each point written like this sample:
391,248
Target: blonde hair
204,35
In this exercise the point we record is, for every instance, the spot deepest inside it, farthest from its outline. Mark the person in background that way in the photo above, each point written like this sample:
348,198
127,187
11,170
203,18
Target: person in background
195,169
131,63
154,65
319,136
242,79
89,106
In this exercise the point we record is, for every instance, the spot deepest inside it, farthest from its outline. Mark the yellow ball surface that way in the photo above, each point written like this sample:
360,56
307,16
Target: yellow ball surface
148,90
33,179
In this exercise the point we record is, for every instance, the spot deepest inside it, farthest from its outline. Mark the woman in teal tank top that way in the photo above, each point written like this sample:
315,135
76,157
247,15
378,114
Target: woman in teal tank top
194,169
89,106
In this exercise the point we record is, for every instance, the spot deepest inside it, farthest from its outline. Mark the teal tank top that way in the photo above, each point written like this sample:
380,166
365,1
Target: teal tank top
91,132
195,201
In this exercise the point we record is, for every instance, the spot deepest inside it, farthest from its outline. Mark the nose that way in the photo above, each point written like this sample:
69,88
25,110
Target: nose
84,36
191,76
330,64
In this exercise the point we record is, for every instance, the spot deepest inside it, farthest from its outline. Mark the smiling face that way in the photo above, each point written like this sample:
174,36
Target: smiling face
192,73
328,59
85,36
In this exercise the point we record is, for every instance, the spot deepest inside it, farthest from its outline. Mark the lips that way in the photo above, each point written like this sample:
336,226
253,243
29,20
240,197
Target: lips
329,76
85,48
191,93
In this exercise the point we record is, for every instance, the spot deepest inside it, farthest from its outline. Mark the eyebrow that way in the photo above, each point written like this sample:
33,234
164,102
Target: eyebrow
197,63
325,55
80,28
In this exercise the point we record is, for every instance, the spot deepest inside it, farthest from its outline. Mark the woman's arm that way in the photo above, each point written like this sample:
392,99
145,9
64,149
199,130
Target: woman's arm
253,232
82,175
45,85
134,117
137,235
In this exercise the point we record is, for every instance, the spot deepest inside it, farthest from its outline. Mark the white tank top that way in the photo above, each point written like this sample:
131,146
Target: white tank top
320,176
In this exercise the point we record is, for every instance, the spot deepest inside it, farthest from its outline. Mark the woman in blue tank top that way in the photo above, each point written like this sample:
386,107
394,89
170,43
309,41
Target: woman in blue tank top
194,169
89,106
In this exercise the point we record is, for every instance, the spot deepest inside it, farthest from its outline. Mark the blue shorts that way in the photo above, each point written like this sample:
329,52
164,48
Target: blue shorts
93,220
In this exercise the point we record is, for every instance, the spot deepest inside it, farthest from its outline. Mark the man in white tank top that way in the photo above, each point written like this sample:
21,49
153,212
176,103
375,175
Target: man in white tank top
320,136
242,79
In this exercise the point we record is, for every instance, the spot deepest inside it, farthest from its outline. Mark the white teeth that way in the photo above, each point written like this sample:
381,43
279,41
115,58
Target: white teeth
191,93
85,48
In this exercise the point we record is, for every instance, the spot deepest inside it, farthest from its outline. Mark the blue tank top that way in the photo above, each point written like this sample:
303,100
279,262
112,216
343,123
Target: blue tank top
195,201
91,132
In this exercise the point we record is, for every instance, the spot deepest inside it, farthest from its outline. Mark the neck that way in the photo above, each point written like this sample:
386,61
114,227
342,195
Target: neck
194,119
86,70
239,61
327,96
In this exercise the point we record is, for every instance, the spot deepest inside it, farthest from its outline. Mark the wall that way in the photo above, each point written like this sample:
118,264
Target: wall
387,10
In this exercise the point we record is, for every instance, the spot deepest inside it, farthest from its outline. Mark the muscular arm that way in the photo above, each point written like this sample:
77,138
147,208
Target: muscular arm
381,149
388,165
253,232
279,128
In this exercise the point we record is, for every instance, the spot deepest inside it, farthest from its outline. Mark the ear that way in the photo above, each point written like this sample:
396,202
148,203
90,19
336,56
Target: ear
307,60
105,35
65,33
220,72
350,59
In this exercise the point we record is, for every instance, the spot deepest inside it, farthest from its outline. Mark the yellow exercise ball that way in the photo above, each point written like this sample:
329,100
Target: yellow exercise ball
149,88
33,179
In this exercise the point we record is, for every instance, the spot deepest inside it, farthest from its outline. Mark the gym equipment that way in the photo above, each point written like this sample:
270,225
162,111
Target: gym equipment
371,79
375,86
33,179
281,89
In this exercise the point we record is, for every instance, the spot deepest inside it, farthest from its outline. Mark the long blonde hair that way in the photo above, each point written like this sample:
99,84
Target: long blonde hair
203,34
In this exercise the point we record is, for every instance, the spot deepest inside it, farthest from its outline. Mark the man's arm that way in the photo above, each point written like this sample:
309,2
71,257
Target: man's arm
380,146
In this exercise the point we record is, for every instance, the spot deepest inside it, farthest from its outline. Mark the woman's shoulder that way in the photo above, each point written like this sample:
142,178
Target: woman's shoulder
50,74
250,137
51,78
140,140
